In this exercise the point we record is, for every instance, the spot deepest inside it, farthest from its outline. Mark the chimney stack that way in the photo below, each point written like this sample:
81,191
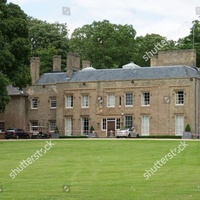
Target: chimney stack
73,63
35,69
174,57
85,63
56,63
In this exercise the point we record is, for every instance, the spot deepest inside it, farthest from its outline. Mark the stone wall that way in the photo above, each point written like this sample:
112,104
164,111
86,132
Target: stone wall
174,57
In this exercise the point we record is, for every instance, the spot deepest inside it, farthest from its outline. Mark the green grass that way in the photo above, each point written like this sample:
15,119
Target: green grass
100,169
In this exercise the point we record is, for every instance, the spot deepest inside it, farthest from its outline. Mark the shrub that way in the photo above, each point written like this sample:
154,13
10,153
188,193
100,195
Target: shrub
187,128
73,136
162,136
91,129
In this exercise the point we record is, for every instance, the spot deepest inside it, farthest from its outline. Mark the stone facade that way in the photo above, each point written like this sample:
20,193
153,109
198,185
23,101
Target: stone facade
113,103
35,69
15,115
175,57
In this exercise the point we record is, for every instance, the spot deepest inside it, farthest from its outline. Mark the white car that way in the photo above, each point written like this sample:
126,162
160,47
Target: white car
127,132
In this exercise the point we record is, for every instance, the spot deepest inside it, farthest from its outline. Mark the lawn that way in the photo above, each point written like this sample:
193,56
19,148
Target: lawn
91,169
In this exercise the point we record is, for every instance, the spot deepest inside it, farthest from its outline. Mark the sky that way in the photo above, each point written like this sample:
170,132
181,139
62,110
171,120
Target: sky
169,18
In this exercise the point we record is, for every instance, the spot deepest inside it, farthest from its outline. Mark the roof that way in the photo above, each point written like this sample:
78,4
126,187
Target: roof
52,78
129,73
130,65
14,91
136,73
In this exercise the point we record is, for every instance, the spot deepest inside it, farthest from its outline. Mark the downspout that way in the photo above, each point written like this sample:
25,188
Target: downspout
196,107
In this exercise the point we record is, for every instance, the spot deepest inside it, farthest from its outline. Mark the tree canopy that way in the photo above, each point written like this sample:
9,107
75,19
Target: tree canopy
106,45
14,44
14,49
4,98
47,40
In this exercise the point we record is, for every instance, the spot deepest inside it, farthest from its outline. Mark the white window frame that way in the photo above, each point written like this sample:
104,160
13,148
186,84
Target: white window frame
118,123
53,102
104,124
145,125
111,100
69,101
179,125
128,99
68,126
179,97
145,99
85,126
52,126
34,126
85,101
128,121
34,103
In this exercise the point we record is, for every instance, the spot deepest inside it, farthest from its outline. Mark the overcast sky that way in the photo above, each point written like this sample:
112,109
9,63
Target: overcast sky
169,18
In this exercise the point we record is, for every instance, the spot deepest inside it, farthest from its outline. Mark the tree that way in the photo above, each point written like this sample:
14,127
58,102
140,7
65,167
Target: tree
106,45
48,40
4,98
14,44
192,40
148,46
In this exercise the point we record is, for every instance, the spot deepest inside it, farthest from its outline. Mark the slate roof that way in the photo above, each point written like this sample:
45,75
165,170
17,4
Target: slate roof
15,91
52,78
136,74
140,73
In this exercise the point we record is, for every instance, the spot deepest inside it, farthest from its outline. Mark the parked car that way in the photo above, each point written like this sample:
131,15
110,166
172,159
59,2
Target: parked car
127,132
16,133
39,132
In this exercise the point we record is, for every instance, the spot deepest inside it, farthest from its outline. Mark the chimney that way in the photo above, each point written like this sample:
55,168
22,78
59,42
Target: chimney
175,57
85,63
56,63
73,63
35,69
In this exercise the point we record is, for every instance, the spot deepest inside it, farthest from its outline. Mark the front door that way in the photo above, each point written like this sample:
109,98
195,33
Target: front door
111,129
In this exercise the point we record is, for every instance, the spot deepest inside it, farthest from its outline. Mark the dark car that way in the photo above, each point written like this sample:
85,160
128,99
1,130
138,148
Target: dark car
16,133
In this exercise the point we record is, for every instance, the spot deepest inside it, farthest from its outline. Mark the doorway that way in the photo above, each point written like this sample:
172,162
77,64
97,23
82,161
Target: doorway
111,128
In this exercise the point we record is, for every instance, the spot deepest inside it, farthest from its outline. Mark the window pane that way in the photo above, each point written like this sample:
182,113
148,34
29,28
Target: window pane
34,126
145,98
129,99
52,126
128,121
104,123
68,126
69,101
179,125
145,125
118,123
120,101
34,103
111,100
53,102
85,126
180,97
85,101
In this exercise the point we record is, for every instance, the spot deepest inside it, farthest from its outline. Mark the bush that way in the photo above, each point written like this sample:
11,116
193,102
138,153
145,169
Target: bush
73,136
162,136
91,129
187,128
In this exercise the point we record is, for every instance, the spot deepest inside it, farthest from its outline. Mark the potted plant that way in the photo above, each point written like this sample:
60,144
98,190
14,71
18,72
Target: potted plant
187,133
92,132
56,134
